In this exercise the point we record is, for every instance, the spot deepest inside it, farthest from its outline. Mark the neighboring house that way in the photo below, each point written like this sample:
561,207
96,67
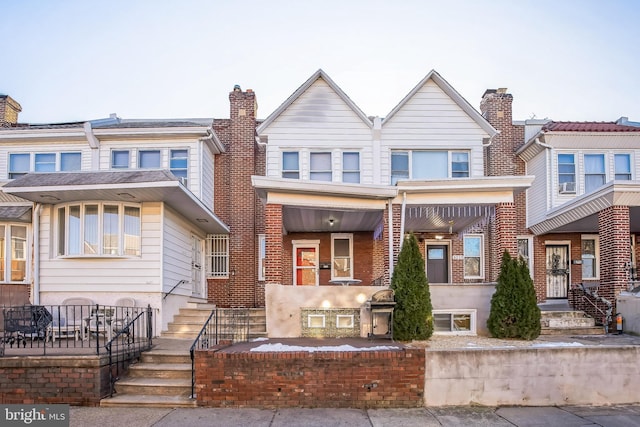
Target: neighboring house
342,189
110,207
584,206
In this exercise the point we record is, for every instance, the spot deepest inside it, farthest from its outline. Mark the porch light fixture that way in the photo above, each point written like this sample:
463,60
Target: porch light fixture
331,222
202,220
126,195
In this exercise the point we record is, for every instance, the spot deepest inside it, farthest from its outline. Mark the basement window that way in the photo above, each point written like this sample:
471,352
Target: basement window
316,321
454,322
344,321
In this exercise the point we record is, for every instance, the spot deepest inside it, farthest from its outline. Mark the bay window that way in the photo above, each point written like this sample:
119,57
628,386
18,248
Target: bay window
99,229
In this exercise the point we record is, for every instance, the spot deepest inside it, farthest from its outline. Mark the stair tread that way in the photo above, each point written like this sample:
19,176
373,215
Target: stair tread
148,381
149,400
161,366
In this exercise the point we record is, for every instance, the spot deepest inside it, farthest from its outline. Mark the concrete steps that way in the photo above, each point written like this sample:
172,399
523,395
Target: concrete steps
189,321
162,378
568,322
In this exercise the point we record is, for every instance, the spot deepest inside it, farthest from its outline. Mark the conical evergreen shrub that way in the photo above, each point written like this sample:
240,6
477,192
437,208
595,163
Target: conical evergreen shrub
413,312
514,309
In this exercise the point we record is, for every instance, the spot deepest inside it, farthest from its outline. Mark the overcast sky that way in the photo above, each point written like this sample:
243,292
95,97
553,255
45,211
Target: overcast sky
79,60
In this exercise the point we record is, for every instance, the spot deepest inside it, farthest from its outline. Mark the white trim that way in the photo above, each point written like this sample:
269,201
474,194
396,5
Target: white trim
311,317
482,255
596,240
341,236
531,259
350,318
305,244
473,313
442,242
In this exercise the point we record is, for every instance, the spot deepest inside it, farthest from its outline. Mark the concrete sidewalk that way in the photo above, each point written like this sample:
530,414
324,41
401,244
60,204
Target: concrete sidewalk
610,416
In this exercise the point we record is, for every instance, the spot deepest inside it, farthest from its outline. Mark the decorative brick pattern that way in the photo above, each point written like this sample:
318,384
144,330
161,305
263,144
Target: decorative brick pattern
330,329
322,379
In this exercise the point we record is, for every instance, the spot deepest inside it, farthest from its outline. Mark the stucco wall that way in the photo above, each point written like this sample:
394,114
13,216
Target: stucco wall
465,296
629,307
283,305
533,376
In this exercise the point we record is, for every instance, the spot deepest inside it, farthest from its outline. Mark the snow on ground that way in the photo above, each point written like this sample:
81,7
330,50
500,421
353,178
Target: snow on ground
284,347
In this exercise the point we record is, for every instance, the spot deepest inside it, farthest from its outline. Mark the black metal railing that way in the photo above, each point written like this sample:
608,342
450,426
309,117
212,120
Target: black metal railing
131,338
65,329
224,325
174,288
596,305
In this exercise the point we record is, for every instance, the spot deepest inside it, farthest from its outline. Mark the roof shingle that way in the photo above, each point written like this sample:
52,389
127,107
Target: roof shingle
588,127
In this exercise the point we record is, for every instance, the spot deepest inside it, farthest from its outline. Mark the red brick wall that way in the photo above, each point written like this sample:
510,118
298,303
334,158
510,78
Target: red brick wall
53,380
615,251
360,379
274,253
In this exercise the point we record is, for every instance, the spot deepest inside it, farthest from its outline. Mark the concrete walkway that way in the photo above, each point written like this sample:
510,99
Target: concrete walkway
612,416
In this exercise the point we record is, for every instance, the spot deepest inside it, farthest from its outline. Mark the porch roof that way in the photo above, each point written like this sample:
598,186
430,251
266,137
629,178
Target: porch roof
581,213
118,186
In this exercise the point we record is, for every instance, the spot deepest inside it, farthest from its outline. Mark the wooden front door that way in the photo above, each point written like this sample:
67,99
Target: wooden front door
306,265
557,257
437,263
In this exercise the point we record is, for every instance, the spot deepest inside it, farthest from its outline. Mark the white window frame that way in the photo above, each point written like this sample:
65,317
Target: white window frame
112,163
561,188
62,235
315,317
349,324
351,172
10,253
530,257
409,154
596,257
262,256
217,256
321,171
150,150
341,236
603,175
473,313
615,171
286,172
180,170
473,236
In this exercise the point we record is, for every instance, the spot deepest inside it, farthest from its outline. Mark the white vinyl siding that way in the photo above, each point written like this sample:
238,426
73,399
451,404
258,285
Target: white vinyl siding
177,243
430,120
319,120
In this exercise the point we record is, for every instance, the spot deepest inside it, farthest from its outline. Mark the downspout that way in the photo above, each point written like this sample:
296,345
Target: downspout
402,215
390,227
36,254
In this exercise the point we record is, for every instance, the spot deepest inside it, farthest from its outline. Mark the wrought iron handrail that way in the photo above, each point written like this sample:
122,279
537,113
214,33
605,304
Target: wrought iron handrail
174,287
197,344
229,324
607,315
128,344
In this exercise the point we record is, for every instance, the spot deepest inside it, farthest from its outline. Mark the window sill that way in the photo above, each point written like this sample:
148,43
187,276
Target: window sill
98,257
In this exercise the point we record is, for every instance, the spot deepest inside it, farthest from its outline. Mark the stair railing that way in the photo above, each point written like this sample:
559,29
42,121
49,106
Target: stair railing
590,295
174,287
228,325
133,336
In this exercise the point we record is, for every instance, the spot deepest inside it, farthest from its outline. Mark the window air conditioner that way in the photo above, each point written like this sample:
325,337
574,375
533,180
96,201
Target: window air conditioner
568,188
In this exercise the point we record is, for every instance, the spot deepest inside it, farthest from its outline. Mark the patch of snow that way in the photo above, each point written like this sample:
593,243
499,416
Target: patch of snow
283,347
558,344
259,339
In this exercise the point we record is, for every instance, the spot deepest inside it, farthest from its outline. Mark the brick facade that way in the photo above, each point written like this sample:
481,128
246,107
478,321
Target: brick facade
9,110
323,379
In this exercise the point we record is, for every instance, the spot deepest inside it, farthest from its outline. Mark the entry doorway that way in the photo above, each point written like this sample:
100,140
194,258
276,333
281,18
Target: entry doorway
437,261
557,263
306,256
197,284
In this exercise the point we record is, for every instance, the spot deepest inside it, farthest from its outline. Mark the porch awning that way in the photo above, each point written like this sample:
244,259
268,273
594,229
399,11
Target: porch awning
118,186
448,219
15,213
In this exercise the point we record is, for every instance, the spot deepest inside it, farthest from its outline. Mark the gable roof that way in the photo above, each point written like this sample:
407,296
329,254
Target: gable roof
588,127
451,93
320,74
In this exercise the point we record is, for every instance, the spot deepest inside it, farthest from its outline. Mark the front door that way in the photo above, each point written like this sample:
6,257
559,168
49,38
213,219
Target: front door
197,283
305,265
557,271
437,263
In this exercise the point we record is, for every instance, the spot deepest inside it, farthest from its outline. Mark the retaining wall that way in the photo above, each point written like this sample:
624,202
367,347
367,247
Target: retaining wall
599,376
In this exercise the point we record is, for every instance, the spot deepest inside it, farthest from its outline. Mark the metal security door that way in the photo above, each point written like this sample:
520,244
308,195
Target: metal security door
557,271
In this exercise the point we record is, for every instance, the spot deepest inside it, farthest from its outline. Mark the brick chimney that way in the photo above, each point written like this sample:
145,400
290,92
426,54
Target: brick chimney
500,157
9,110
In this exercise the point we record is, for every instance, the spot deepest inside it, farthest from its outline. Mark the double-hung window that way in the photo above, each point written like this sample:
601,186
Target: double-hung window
291,165
459,164
590,257
351,167
217,255
149,159
99,229
23,163
70,162
566,173
178,163
120,159
399,166
622,167
342,256
19,164
594,172
13,259
45,162
473,256
320,167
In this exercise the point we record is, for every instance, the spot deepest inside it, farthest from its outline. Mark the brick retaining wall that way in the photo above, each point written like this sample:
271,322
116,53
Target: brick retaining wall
75,380
353,379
